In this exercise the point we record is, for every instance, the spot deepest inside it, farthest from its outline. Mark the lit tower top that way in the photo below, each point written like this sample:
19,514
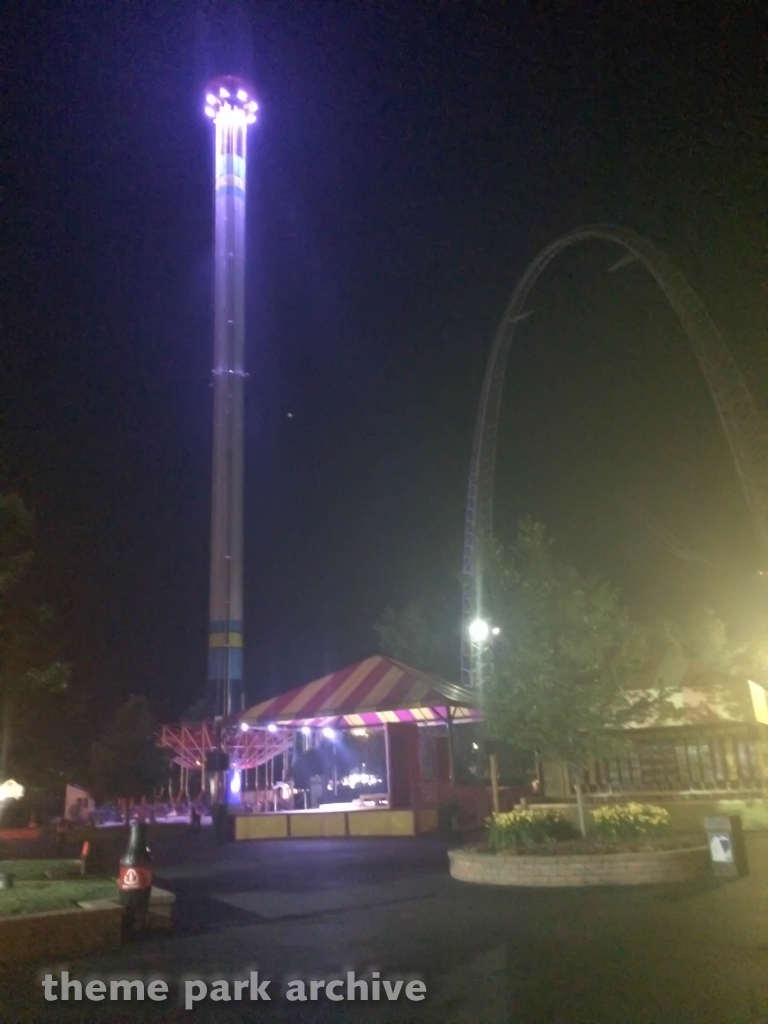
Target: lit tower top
232,108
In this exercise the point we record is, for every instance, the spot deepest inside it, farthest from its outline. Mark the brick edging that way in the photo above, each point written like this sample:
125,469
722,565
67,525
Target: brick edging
642,868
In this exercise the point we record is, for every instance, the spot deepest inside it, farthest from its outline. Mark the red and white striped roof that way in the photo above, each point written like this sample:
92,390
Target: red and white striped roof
370,692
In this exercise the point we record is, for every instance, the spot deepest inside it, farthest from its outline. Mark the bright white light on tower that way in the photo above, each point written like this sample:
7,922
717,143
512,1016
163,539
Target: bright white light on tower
244,726
478,630
306,730
328,733
253,106
210,99
271,727
242,95
495,630
250,119
224,93
210,112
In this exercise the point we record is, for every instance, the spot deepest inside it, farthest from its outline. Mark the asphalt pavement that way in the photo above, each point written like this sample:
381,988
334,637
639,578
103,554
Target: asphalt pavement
387,910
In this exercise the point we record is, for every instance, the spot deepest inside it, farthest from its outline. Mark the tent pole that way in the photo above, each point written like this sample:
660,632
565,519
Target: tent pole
451,763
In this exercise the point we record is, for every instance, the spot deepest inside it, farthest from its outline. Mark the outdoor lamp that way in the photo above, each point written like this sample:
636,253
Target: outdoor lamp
478,630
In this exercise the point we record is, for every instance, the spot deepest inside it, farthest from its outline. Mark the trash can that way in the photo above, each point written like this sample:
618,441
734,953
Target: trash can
727,849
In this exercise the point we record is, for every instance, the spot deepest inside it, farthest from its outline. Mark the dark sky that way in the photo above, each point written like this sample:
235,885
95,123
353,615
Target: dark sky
409,161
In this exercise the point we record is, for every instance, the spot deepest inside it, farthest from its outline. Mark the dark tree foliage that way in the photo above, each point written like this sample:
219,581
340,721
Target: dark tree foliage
195,712
703,637
566,652
565,659
421,634
34,681
126,762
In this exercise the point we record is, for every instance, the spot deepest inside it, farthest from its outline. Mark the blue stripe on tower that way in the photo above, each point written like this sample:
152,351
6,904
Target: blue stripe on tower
228,163
224,626
225,662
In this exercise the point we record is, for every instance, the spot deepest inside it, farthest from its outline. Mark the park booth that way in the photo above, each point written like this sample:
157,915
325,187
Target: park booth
708,757
400,719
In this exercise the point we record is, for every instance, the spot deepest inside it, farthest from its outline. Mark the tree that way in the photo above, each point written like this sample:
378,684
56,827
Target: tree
565,653
703,637
420,634
30,672
126,763
195,712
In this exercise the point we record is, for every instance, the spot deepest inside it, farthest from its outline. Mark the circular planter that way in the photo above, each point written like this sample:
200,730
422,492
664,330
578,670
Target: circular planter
644,868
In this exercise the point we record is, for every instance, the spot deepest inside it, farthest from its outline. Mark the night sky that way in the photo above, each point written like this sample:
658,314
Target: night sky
409,161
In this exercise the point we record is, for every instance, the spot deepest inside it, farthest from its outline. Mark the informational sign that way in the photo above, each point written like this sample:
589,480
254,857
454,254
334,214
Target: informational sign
721,849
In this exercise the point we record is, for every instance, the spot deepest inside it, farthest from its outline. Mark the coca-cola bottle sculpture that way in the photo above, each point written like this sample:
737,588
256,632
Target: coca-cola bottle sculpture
135,878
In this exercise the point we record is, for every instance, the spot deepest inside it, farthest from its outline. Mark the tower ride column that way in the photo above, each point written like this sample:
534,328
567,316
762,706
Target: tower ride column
232,110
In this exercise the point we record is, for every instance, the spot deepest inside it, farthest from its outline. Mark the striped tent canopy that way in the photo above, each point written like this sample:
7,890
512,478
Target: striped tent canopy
370,692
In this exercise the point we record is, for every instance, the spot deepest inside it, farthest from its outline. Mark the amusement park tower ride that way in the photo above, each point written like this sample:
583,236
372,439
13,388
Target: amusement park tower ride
232,109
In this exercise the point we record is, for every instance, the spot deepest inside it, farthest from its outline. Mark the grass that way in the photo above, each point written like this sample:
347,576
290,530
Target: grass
31,869
41,885
34,897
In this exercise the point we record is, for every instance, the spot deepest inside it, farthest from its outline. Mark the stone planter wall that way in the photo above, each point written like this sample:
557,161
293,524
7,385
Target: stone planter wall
91,926
468,865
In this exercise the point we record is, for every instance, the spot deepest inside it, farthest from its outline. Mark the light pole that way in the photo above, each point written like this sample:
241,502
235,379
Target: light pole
481,635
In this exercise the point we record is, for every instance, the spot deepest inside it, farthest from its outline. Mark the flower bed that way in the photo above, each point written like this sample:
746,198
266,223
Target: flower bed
593,845
627,844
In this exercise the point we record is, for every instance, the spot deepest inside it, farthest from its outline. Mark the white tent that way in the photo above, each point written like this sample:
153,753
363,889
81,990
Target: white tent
78,803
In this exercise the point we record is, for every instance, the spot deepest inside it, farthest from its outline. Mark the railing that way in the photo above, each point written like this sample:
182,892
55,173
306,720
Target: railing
191,743
709,764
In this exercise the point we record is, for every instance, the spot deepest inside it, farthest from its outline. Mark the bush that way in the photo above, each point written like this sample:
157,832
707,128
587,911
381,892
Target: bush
620,822
527,827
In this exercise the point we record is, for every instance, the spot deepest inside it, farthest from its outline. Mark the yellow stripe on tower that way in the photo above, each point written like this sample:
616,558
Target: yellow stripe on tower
225,640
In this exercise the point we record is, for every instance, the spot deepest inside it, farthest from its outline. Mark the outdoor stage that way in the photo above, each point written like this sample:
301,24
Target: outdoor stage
333,820
405,716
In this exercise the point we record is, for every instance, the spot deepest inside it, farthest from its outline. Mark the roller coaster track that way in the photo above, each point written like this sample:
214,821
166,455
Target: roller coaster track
744,427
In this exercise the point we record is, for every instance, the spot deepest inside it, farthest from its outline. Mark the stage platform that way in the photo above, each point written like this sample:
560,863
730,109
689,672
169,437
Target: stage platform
340,821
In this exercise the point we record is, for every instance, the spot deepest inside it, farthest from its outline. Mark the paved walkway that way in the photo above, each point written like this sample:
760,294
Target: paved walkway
648,955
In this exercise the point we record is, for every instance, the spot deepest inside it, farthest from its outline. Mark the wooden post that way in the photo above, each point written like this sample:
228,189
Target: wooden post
494,771
451,763
388,762
579,789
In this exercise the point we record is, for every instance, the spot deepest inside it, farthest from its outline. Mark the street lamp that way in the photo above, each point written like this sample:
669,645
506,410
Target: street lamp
478,631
